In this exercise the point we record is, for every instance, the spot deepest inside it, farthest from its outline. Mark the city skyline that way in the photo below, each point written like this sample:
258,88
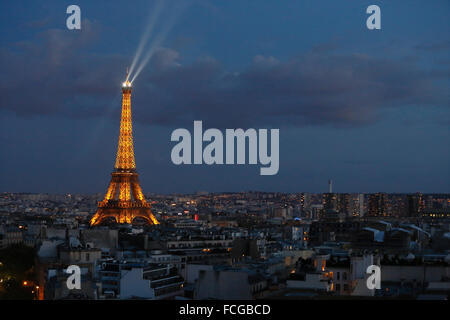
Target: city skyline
368,109
262,245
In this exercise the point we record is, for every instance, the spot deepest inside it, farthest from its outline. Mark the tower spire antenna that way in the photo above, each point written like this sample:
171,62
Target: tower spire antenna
127,83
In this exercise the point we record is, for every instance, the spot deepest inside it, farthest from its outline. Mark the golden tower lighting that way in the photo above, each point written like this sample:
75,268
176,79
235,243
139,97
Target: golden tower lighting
124,200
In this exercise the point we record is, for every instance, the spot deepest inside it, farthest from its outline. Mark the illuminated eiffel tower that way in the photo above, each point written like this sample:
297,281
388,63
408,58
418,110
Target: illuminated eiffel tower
124,200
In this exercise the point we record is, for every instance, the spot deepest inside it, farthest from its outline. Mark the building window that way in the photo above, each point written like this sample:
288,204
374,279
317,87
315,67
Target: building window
338,287
338,275
344,276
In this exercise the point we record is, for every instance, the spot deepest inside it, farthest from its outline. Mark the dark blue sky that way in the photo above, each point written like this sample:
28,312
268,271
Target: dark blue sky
369,109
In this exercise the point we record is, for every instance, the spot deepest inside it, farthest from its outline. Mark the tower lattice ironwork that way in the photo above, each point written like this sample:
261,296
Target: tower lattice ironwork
124,200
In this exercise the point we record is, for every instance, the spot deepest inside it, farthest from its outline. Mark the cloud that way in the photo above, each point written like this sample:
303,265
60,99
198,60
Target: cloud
40,23
57,73
54,73
436,46
312,89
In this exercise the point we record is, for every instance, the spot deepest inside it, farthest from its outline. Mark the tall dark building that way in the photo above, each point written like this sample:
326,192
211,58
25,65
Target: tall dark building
344,203
339,202
415,204
377,205
305,202
330,202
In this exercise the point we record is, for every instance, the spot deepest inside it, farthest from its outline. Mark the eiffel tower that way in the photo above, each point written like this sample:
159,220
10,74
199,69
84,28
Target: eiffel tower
124,200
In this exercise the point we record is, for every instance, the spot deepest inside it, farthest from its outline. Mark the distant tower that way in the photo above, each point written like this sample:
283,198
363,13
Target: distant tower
330,186
124,200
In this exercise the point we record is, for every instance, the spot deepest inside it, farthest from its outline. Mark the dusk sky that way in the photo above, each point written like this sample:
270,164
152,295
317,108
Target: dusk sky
369,109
